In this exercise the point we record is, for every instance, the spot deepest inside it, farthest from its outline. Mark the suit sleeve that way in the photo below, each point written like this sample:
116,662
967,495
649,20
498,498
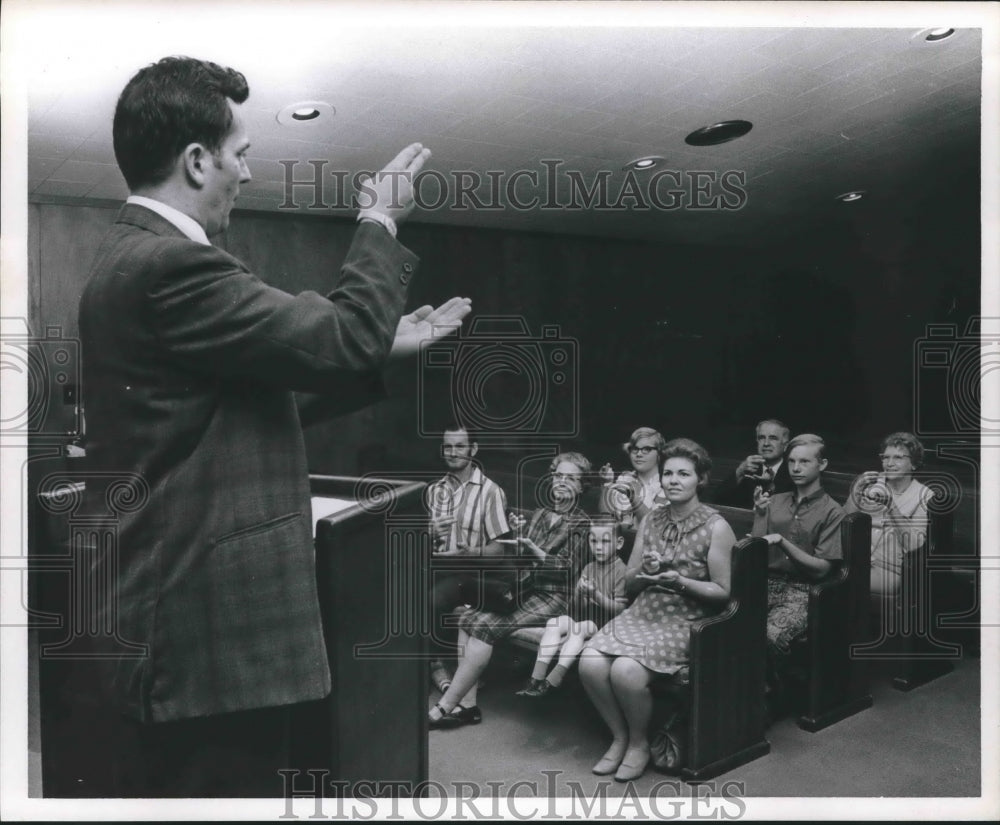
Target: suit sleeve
346,393
216,317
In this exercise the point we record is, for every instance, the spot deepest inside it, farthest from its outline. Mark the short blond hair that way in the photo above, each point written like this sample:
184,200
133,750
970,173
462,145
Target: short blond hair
807,439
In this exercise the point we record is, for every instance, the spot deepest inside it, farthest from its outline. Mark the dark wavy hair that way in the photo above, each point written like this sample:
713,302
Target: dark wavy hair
167,106
693,452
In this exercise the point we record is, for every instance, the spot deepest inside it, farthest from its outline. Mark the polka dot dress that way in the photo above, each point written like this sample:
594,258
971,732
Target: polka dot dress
655,629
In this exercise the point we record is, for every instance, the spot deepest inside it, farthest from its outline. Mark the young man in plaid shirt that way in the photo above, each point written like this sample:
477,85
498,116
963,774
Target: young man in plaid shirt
467,515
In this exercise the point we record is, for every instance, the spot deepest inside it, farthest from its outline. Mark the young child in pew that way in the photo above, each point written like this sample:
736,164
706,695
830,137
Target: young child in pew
599,596
803,530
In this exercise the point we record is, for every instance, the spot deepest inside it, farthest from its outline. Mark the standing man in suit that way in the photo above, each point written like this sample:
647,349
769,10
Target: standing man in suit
190,367
765,469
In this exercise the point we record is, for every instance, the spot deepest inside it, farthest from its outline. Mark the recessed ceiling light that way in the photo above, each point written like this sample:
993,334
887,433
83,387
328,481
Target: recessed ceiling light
851,197
721,132
305,111
935,35
938,34
643,163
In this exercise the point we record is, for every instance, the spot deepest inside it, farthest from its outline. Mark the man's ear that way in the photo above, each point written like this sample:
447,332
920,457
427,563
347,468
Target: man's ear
620,543
195,157
473,449
822,464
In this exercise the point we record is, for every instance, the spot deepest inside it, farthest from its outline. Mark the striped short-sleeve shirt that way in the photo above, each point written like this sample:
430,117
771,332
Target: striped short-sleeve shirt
479,507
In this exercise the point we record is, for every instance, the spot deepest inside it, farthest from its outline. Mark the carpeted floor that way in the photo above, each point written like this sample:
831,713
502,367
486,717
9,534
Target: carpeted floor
925,743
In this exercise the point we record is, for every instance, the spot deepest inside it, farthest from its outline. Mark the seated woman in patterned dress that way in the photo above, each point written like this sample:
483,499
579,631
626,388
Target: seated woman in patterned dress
679,571
557,536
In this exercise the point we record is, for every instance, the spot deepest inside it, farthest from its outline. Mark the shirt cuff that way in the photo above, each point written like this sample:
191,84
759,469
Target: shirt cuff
378,217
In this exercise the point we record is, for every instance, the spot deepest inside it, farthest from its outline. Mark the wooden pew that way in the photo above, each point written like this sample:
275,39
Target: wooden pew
905,626
836,682
725,694
904,629
722,691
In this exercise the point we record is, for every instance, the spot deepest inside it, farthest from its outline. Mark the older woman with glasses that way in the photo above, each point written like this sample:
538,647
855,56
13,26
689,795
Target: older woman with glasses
897,503
556,538
635,492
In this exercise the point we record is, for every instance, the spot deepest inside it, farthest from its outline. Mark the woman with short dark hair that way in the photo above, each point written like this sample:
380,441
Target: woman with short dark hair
679,571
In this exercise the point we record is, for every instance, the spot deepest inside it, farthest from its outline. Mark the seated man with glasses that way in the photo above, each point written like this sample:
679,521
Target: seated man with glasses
897,503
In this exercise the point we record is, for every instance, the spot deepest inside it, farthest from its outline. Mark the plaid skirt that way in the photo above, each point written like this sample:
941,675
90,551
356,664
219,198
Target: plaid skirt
534,611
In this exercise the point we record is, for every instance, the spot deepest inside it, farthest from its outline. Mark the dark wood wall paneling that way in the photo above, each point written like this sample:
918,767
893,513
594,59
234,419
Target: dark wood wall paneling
698,341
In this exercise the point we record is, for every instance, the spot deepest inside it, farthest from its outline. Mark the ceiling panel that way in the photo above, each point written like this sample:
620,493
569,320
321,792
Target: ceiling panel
832,108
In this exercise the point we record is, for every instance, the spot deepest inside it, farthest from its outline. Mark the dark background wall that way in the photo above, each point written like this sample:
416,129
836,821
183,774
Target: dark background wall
697,341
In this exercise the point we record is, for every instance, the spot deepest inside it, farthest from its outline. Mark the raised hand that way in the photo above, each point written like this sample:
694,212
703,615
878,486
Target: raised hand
441,526
516,522
390,192
761,499
428,323
752,467
650,561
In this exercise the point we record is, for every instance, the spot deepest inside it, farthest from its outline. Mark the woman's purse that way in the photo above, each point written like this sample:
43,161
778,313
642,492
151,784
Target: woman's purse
668,746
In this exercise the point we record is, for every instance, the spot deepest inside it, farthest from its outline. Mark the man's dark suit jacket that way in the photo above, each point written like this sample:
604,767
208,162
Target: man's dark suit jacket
740,494
189,368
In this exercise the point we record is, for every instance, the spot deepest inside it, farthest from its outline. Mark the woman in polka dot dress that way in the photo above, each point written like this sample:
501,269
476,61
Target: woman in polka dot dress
679,571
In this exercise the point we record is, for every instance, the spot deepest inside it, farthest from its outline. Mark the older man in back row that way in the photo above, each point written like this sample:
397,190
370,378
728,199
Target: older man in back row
766,469
189,367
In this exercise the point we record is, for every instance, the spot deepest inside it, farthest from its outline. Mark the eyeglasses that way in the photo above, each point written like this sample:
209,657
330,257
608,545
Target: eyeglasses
886,458
641,450
565,476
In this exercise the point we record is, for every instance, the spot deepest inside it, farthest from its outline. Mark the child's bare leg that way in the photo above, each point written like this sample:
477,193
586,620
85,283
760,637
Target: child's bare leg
576,639
555,629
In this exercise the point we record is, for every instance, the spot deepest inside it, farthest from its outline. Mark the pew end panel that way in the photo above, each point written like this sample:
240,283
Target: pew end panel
838,682
929,591
727,719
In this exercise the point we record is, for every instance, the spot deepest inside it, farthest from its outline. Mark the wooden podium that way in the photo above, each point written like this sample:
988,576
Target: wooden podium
374,590
372,573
